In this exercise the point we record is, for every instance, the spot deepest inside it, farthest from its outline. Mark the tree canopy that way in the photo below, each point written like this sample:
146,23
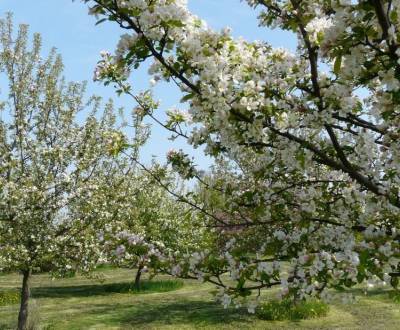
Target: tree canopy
310,138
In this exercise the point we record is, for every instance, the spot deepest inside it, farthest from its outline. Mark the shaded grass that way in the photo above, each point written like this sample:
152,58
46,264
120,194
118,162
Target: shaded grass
105,289
150,314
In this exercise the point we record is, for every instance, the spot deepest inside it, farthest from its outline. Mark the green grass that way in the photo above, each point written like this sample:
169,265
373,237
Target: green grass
81,303
9,297
286,310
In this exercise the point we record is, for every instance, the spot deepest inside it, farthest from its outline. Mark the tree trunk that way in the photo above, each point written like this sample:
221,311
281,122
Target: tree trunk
137,278
25,294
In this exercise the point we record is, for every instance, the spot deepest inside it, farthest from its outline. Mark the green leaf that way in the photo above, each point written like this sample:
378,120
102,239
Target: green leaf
393,15
337,65
101,21
175,23
360,277
394,281
187,97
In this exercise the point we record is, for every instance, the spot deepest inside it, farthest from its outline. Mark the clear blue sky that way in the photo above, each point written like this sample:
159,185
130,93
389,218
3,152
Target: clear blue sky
66,25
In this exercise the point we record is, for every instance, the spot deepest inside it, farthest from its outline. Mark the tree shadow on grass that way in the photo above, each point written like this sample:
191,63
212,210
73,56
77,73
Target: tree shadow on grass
195,313
105,289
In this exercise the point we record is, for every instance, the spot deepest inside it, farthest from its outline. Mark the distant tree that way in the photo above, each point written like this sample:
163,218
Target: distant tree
52,154
146,223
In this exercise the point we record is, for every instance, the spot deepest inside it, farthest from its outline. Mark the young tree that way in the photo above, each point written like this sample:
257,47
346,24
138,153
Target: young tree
49,160
147,223
311,137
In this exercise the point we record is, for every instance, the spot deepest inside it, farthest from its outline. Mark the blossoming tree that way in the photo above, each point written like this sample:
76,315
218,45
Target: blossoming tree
145,222
49,162
311,137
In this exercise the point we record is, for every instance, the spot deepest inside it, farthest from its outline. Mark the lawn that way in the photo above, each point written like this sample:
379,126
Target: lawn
81,303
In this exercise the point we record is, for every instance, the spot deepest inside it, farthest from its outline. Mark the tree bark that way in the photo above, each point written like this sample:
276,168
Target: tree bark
137,278
25,294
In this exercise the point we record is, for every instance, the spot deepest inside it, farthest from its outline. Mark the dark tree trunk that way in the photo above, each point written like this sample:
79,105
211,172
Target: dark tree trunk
137,278
25,294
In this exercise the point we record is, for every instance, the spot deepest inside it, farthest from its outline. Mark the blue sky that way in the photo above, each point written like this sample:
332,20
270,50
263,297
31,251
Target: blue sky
65,25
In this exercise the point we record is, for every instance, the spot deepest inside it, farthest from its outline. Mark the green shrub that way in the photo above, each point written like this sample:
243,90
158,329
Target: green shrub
159,286
145,286
101,267
287,310
395,295
10,297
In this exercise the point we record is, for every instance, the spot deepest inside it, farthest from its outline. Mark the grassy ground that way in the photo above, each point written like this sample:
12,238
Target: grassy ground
80,303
